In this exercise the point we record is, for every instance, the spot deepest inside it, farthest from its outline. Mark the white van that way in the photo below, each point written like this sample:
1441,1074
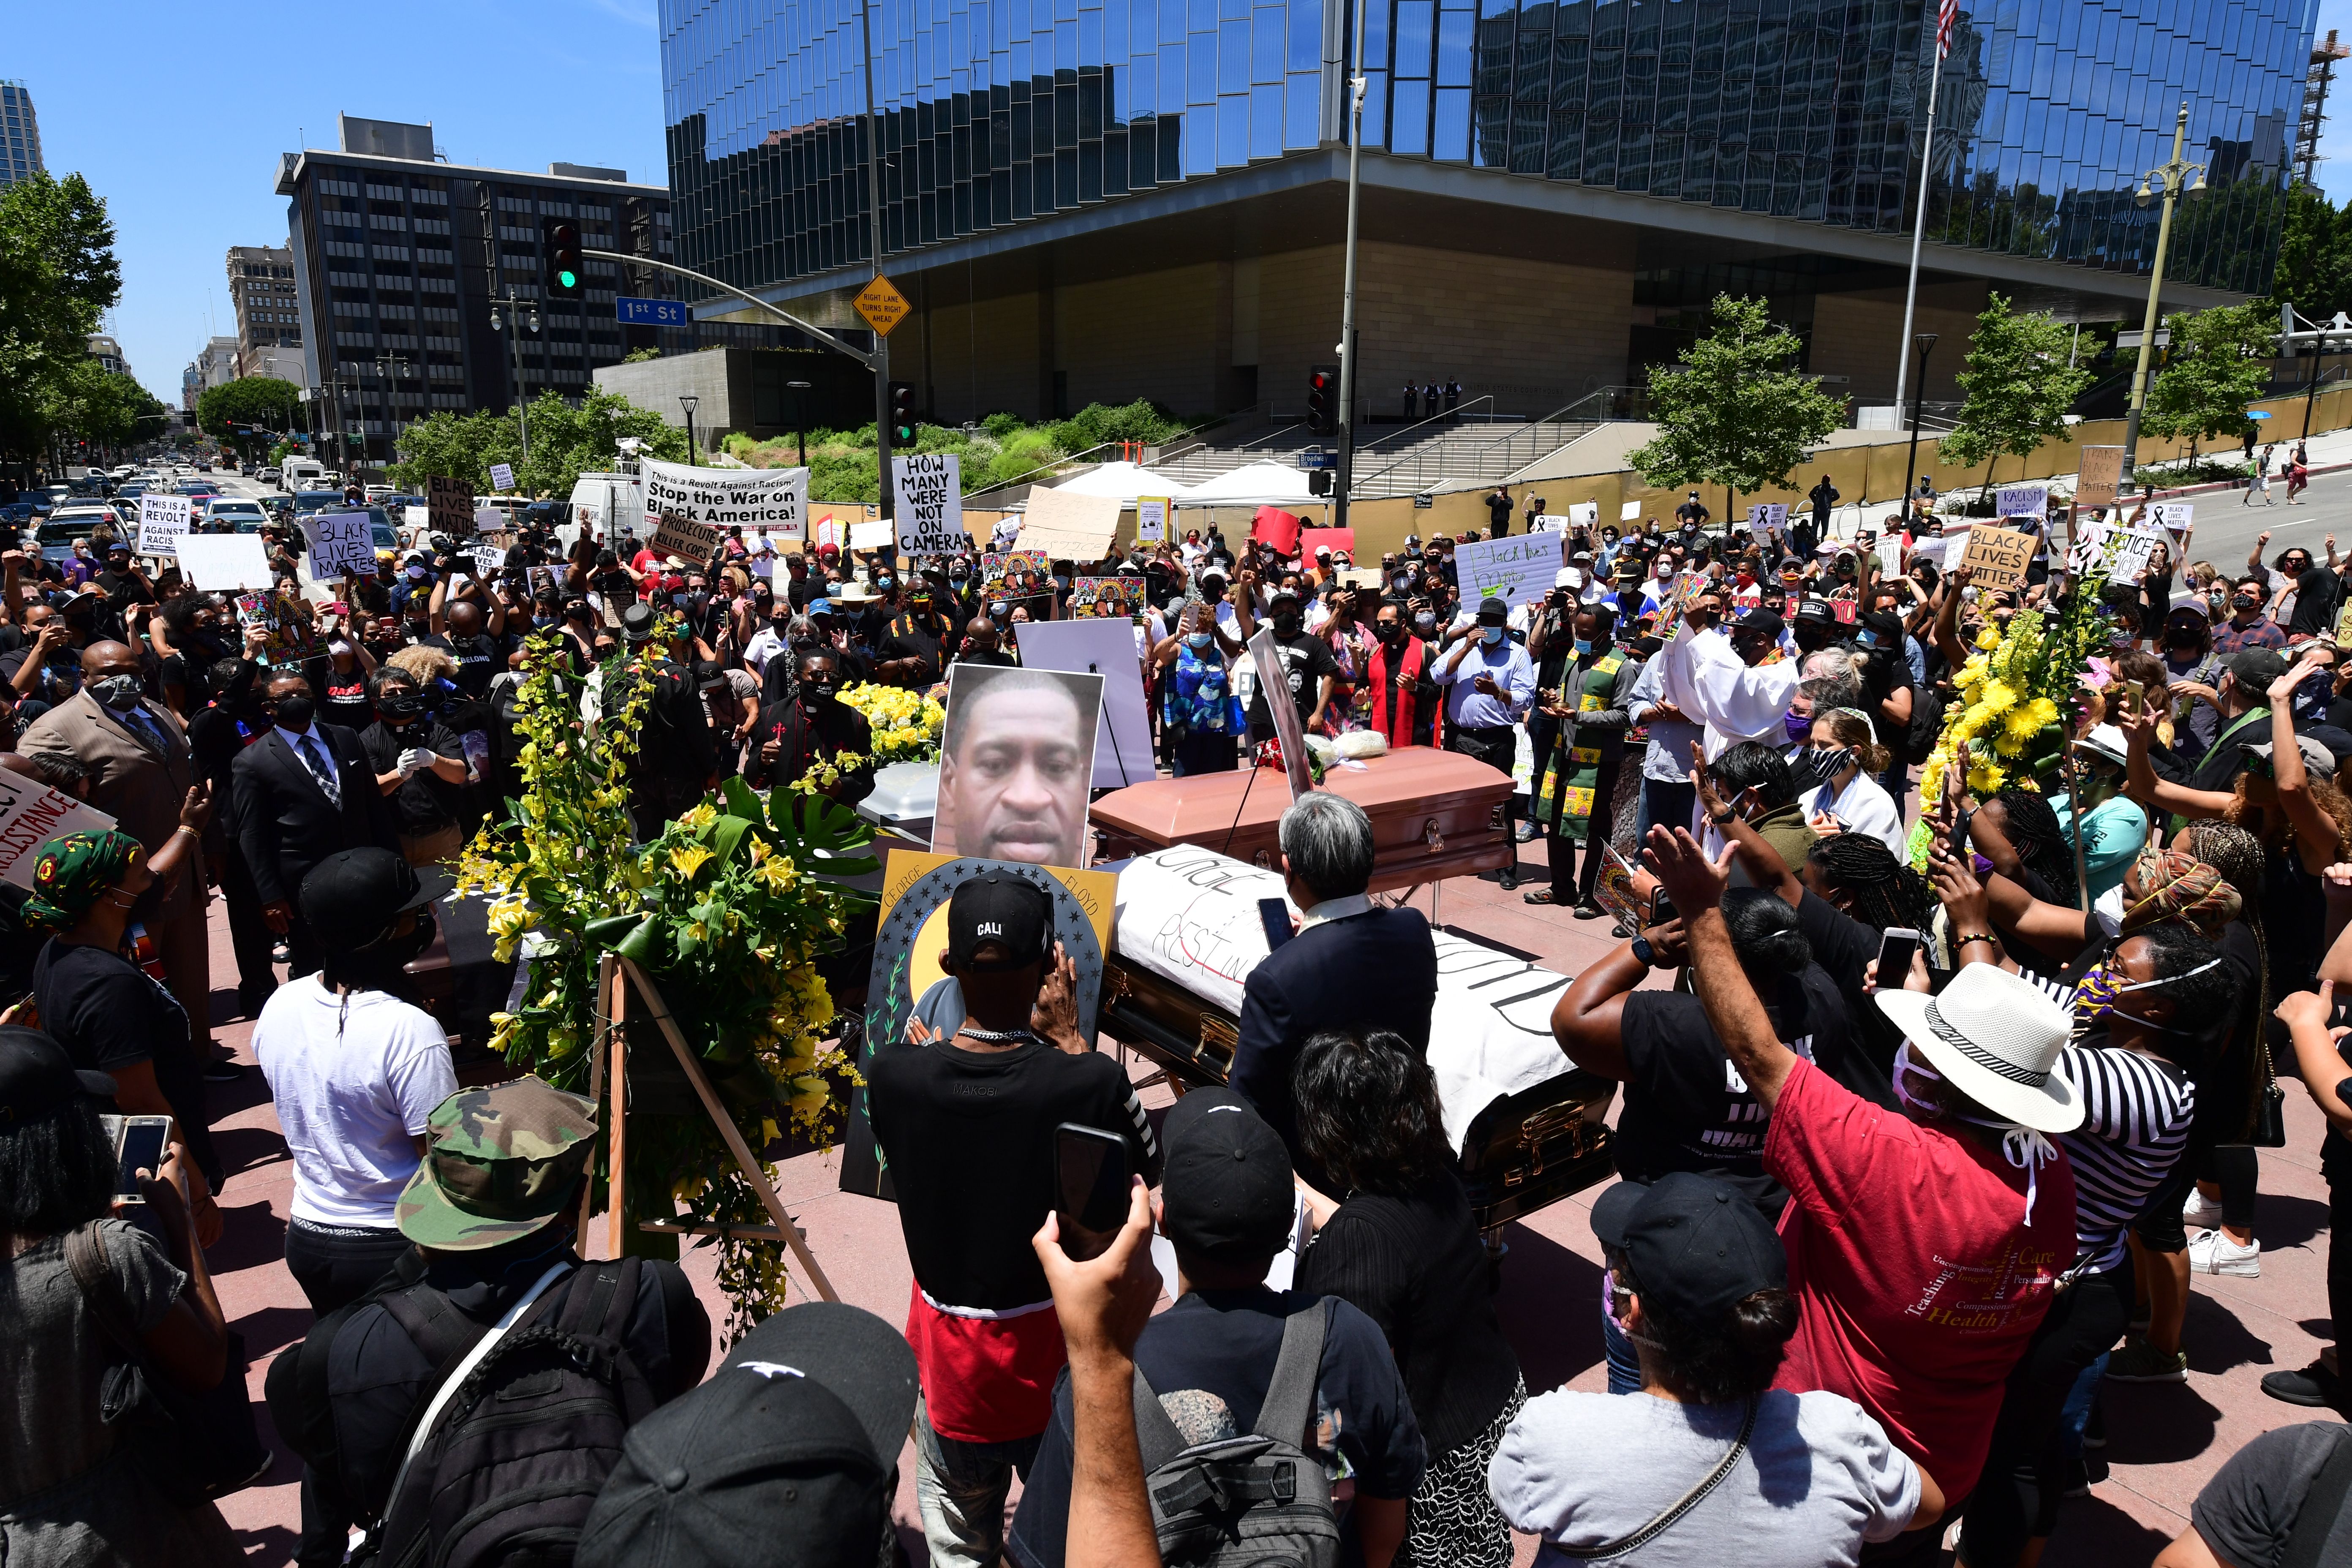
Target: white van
302,474
607,505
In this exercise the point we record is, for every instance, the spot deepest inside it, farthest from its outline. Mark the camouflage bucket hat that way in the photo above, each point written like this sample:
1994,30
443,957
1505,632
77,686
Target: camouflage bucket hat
503,1161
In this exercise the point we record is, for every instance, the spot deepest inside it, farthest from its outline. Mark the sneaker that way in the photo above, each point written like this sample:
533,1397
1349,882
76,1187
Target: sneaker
2211,1252
2140,1361
2200,1212
2314,1386
2083,1474
1525,832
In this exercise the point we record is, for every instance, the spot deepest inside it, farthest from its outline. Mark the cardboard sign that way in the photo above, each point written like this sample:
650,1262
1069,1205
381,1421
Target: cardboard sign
2022,500
879,534
224,561
1998,556
1104,648
502,476
2101,471
717,500
1768,516
1277,528
927,492
31,813
449,506
1334,539
1629,512
161,520
488,558
1583,513
1518,570
1106,598
688,541
341,542
1152,517
1068,527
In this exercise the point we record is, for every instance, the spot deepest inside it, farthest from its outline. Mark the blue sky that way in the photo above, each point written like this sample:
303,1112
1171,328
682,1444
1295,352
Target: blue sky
176,113
515,84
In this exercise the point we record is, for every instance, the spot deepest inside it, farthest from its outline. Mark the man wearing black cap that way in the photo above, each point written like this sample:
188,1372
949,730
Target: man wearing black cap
966,1128
2242,695
677,764
1308,665
1227,1206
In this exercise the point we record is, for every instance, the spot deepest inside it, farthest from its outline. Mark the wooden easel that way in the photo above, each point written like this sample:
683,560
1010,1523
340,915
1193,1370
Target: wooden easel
614,976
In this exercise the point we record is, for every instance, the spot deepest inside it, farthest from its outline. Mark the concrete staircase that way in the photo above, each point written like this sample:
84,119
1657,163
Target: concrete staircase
1392,460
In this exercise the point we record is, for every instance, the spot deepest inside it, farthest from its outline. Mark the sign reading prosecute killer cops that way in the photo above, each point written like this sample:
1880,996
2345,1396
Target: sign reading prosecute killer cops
927,495
719,498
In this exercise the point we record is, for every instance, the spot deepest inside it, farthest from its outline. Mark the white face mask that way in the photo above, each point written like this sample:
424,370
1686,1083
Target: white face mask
2022,1147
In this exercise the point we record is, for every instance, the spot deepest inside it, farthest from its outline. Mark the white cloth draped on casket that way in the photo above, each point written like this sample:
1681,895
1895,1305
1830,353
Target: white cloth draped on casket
1189,915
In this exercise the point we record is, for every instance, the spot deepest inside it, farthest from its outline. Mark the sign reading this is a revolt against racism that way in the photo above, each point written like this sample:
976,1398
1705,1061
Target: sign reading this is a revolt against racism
717,500
927,495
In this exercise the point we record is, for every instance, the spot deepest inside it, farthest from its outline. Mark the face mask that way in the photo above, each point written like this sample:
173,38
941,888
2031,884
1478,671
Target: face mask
1493,635
2245,604
416,573
295,712
2104,982
1285,625
1390,631
1583,646
998,609
821,688
119,692
885,583
1818,764
1424,623
958,583
400,707
678,600
1799,725
1197,639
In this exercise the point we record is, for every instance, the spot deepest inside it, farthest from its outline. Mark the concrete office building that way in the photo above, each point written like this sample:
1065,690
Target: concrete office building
20,134
216,366
192,387
1146,197
109,354
398,259
269,312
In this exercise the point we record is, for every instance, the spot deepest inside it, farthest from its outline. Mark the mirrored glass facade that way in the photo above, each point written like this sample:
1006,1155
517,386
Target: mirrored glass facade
999,111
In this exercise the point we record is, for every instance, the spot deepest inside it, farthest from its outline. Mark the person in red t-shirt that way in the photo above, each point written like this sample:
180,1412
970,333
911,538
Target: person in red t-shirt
1924,1250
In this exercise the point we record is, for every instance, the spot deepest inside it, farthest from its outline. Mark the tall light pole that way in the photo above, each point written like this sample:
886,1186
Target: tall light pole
524,315
1925,344
388,366
1347,473
690,401
2174,177
1919,220
799,390
874,200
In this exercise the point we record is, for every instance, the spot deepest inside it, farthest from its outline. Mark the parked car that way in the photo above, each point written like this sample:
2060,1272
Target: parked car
268,475
226,514
57,534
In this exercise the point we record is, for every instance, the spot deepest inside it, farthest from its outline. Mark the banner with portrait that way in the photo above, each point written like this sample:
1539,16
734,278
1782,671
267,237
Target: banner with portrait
1016,760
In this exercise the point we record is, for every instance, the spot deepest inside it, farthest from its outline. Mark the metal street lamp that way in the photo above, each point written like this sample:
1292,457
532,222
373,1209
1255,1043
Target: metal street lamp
800,415
690,402
2173,177
526,317
1925,344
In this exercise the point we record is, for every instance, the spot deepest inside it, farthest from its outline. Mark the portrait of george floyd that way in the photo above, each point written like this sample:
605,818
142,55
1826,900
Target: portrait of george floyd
1016,759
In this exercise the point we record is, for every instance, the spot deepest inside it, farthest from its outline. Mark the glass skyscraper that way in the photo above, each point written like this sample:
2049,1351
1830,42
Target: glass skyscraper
999,111
20,134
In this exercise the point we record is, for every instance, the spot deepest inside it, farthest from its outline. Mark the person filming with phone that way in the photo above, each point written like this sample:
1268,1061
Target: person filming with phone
967,1126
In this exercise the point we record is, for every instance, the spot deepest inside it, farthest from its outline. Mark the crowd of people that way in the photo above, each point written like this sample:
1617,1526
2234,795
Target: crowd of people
1914,1164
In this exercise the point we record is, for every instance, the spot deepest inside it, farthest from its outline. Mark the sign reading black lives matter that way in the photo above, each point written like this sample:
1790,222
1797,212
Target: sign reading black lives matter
449,506
926,489
716,500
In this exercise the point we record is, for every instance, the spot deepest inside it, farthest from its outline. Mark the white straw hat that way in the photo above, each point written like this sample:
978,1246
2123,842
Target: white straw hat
1996,1039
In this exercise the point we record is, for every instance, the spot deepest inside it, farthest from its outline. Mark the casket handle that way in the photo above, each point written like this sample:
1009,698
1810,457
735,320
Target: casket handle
1432,837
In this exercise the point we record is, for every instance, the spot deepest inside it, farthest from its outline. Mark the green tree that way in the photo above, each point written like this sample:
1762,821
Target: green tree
58,278
254,400
2220,364
565,442
2016,389
2314,256
86,402
1738,412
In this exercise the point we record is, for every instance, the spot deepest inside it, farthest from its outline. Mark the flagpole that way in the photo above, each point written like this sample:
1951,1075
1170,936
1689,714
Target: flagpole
1918,229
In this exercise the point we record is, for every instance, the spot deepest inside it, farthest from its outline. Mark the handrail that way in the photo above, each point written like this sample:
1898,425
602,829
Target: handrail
1286,429
1405,457
1450,416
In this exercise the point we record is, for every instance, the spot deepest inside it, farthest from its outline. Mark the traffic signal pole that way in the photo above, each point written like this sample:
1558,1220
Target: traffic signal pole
1343,480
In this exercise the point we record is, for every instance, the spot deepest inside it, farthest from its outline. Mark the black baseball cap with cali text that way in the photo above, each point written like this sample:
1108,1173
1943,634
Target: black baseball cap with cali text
999,908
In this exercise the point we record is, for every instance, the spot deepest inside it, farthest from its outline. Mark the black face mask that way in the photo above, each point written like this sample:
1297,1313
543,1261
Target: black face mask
1285,625
2245,604
814,691
401,707
294,712
1390,632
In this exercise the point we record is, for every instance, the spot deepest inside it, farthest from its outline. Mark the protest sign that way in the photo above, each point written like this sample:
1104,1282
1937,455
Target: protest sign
684,539
340,542
1583,513
2101,473
1277,528
716,500
1768,516
1105,599
831,532
1069,527
879,534
224,561
488,558
1011,572
31,813
1152,517
927,492
1123,739
161,520
502,476
1518,570
2022,500
1997,556
2177,518
1265,658
1548,522
449,505
2125,551
1843,609
1334,539
1629,512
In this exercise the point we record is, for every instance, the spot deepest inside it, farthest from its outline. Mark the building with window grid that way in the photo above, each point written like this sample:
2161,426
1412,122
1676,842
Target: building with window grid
20,134
269,312
396,259
1103,199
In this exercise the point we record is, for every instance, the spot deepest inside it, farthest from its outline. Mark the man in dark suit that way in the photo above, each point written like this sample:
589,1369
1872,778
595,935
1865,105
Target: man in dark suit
1352,966
304,791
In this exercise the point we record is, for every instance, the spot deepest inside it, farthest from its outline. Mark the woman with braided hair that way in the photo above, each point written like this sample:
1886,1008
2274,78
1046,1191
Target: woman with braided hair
2019,833
1861,877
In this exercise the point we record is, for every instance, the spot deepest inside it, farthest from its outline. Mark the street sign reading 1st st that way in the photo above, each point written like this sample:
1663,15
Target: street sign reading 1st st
882,305
649,313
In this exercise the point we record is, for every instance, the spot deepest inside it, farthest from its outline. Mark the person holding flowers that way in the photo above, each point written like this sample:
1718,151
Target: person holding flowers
811,739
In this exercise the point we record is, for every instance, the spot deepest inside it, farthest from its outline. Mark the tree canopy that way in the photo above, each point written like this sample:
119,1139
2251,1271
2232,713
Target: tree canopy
263,400
2315,258
565,442
57,279
2016,389
1738,413
2219,366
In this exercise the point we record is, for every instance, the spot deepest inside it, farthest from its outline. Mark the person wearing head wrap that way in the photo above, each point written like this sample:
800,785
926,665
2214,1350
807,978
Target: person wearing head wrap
2174,885
92,995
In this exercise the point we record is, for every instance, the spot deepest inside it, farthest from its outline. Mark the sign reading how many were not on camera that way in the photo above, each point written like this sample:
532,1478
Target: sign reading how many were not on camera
927,494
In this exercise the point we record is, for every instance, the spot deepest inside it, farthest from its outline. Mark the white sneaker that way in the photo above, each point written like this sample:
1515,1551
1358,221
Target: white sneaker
2200,1212
2211,1252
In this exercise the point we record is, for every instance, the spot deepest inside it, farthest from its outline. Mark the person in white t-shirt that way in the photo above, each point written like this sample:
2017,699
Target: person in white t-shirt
1840,767
354,1071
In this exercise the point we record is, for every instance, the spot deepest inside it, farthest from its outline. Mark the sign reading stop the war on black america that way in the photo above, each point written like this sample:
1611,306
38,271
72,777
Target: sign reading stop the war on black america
927,492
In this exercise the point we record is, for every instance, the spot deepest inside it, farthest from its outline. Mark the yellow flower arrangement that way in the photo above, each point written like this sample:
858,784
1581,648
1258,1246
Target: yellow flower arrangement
906,723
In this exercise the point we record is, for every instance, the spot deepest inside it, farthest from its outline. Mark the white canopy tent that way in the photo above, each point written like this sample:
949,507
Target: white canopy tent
1254,484
1124,481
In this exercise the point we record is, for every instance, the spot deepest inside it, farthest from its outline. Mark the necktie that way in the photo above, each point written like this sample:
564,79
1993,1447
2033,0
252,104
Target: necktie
140,724
316,756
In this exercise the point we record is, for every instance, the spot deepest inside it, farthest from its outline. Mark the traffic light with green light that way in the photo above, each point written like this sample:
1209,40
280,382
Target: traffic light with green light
902,414
559,244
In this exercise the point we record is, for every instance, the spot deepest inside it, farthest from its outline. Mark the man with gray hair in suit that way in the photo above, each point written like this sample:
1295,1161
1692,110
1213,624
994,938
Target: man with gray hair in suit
1354,964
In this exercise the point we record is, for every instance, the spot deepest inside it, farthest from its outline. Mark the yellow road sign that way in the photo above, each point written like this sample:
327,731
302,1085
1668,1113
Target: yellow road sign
882,305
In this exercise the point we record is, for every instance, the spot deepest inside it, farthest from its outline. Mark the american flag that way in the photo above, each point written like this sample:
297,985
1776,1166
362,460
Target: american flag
1948,14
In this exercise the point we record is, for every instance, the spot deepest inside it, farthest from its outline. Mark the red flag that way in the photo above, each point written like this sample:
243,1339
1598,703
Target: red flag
1277,528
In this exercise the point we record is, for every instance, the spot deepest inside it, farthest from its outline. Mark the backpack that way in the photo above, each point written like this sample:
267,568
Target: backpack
515,1458
1258,1500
